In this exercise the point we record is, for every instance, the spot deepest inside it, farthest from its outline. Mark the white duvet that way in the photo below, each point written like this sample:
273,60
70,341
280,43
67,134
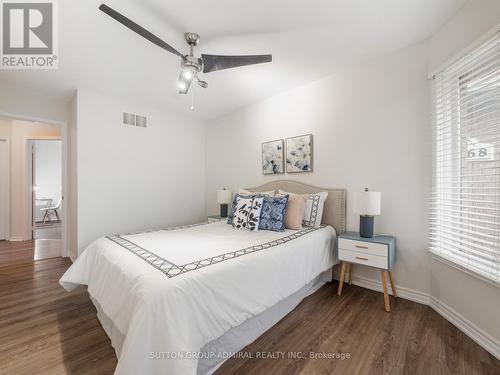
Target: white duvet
163,317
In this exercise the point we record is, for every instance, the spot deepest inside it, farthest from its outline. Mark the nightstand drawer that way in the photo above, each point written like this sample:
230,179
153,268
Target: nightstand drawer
364,247
363,258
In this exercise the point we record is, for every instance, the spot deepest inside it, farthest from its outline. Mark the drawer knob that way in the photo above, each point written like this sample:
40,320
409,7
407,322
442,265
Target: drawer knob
361,247
360,258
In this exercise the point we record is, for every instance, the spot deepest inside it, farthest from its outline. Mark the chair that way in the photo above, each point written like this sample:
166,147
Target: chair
52,210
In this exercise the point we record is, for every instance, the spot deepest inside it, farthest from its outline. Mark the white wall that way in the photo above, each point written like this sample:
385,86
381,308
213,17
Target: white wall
473,20
5,128
48,171
477,301
131,178
371,129
29,103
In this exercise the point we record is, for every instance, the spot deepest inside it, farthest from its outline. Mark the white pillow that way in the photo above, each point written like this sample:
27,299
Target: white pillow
247,213
248,192
313,211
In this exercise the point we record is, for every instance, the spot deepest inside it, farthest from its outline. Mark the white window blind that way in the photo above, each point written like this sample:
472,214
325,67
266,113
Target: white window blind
465,201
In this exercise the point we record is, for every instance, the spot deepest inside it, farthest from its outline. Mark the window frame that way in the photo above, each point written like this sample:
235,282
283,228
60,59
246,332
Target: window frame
448,139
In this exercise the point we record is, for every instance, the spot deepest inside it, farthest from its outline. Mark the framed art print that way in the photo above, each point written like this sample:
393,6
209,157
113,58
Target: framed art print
299,154
273,157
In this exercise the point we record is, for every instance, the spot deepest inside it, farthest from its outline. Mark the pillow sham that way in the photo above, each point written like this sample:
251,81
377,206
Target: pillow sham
295,211
272,215
245,193
247,213
248,192
313,211
233,205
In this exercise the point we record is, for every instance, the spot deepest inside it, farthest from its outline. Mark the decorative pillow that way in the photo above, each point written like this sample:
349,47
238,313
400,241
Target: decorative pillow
248,192
233,205
245,193
272,216
247,213
314,208
295,211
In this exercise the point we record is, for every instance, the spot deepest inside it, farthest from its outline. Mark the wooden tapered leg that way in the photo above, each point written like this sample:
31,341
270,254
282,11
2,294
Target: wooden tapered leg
350,273
393,284
386,295
341,278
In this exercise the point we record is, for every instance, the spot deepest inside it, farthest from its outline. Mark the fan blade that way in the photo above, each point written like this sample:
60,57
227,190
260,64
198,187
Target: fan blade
211,63
138,29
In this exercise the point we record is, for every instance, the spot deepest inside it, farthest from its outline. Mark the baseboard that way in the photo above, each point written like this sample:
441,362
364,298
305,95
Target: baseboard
481,337
409,294
17,239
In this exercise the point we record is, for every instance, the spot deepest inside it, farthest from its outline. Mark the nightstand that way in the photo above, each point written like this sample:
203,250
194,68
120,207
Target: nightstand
377,252
215,218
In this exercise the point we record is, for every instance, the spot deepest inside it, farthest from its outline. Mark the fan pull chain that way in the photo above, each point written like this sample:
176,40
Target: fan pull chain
192,98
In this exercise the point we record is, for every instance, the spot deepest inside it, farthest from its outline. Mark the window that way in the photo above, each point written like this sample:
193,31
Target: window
465,201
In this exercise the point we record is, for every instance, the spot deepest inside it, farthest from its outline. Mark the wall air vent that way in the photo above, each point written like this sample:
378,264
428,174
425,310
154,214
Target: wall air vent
134,120
128,118
140,121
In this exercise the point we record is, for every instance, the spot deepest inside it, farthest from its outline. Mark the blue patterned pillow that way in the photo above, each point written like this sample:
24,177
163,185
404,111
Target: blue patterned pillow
272,215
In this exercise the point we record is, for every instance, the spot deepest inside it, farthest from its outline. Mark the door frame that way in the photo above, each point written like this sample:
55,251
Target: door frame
65,172
5,191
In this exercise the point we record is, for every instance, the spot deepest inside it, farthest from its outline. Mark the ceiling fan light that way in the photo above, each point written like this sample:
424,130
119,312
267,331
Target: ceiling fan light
183,84
188,74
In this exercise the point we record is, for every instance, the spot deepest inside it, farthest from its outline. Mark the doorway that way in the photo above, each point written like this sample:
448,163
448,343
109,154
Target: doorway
33,165
46,188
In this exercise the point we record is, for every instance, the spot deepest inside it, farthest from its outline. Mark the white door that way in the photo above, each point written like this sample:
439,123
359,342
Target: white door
4,188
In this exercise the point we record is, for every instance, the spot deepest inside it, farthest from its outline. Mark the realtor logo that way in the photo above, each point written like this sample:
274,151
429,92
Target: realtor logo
28,34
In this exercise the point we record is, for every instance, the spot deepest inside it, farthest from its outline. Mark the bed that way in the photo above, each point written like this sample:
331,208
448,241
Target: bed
182,300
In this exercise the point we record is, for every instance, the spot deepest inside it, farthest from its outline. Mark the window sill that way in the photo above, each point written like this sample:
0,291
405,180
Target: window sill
457,266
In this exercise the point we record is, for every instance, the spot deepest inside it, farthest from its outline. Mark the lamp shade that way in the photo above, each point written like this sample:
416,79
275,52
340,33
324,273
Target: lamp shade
224,196
368,203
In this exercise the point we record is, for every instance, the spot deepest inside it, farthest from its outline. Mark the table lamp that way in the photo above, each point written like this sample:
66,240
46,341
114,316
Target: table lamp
367,206
224,197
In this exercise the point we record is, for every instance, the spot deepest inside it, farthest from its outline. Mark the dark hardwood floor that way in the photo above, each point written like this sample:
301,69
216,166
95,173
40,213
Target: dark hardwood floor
45,330
22,251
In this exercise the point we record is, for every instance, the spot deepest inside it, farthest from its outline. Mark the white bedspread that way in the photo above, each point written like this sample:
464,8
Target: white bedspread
175,316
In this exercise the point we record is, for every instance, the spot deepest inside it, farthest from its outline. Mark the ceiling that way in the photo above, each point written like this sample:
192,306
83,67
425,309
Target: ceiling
309,39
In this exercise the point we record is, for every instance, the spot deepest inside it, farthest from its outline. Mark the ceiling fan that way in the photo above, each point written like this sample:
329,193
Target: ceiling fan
190,64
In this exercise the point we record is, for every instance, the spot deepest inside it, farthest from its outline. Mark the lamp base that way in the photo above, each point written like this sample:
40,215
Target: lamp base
366,226
223,210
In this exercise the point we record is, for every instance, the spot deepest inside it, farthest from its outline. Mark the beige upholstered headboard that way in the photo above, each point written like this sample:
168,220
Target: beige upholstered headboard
334,212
